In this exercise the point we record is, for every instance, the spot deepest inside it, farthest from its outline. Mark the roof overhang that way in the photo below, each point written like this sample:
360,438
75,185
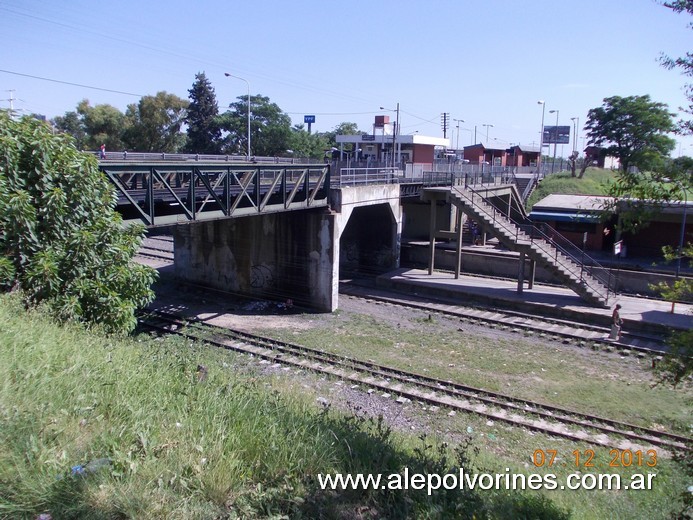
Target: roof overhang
555,216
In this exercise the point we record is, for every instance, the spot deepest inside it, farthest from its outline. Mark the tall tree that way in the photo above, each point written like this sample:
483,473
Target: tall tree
103,124
633,129
62,241
344,128
303,144
270,128
154,124
71,123
204,134
685,63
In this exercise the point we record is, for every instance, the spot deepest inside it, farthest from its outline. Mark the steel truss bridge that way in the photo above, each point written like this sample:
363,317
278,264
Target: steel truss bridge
161,193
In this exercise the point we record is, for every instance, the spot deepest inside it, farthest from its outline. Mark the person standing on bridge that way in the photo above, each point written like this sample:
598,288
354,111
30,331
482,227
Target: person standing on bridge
103,151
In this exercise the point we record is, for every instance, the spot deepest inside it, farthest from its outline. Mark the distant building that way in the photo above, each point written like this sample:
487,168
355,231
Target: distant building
515,156
480,153
574,215
380,146
523,155
596,156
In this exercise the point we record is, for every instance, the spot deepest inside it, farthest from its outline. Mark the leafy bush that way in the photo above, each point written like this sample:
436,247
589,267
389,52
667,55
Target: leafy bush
61,240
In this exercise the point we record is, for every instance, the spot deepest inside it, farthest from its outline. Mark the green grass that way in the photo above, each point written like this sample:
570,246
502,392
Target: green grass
236,445
544,371
578,378
595,182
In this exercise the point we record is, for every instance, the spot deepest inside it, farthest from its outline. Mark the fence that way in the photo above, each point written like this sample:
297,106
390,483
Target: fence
365,176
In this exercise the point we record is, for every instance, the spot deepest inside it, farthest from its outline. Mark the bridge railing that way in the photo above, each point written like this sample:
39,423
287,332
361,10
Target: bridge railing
363,176
178,157
478,178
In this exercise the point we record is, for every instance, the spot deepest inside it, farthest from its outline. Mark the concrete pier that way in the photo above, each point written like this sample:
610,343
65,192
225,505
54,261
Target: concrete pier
294,255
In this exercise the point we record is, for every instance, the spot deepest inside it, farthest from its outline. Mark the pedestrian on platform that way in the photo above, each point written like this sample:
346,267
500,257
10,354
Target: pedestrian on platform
616,323
102,155
475,233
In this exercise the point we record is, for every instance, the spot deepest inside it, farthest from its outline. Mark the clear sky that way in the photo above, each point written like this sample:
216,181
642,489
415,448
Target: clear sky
486,62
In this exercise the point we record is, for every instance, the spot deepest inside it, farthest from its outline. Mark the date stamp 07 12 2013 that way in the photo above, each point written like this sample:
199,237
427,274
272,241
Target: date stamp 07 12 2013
588,459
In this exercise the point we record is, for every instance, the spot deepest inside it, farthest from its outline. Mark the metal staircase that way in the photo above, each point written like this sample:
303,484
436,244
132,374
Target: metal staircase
584,275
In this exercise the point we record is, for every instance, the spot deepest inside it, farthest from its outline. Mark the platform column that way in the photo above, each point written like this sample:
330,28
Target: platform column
432,237
458,220
532,273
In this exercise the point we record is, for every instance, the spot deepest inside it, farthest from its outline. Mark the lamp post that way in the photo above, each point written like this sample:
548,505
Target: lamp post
394,134
248,84
576,124
487,127
457,145
555,139
541,136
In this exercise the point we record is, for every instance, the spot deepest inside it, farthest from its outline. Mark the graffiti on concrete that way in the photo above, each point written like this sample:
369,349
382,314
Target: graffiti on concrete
261,276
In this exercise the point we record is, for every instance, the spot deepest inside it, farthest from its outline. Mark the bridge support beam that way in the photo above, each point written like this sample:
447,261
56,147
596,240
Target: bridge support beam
276,256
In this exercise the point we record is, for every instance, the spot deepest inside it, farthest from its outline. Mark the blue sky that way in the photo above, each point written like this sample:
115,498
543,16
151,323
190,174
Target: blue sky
486,62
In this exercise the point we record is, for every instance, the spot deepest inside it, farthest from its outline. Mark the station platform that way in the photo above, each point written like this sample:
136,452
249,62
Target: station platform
639,314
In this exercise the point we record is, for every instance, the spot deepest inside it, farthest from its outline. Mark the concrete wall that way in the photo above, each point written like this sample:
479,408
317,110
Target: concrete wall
368,228
417,218
274,256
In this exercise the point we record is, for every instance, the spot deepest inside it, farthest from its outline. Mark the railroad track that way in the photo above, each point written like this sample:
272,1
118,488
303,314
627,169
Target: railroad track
539,417
157,248
581,333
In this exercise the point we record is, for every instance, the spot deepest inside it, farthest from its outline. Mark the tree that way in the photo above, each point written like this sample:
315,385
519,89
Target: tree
344,128
633,129
71,123
684,63
61,241
203,132
154,124
303,144
103,124
270,128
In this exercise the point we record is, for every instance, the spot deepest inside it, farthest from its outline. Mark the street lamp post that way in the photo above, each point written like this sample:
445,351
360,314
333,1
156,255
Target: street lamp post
541,136
487,127
576,125
457,145
248,84
394,135
555,139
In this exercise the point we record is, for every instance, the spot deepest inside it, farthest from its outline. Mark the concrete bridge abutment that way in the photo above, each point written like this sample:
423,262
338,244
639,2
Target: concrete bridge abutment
294,255
274,256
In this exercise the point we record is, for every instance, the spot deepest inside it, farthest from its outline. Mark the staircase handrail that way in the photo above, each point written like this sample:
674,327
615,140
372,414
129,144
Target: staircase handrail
553,245
530,186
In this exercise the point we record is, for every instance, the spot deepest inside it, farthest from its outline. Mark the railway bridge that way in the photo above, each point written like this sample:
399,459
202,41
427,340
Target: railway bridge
267,229
283,231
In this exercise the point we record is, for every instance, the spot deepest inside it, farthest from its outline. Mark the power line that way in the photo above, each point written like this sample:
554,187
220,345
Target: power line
69,83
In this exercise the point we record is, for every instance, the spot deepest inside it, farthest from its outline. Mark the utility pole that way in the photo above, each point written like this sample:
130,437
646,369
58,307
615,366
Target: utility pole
444,117
11,100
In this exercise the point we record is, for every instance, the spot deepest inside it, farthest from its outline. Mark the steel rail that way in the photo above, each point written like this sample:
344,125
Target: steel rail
432,385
